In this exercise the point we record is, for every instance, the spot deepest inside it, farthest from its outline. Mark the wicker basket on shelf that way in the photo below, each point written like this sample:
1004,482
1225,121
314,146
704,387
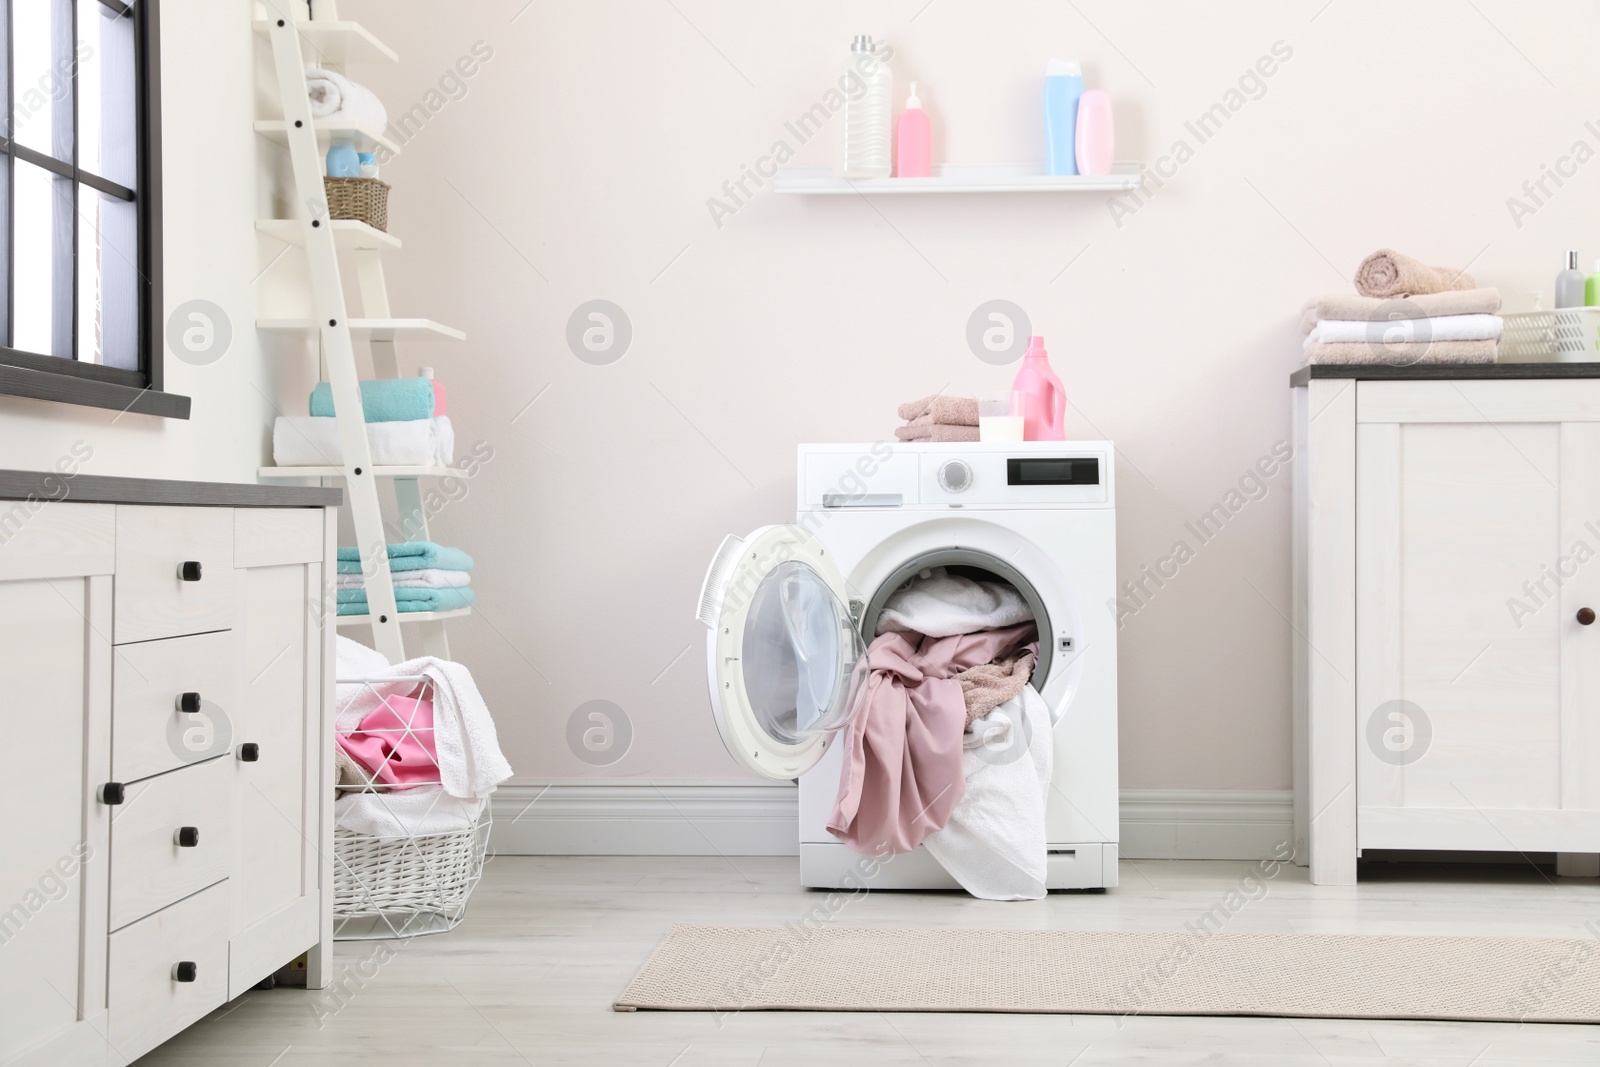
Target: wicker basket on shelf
362,199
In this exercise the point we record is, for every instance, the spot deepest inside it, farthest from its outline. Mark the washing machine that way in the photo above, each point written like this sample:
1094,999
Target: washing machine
791,609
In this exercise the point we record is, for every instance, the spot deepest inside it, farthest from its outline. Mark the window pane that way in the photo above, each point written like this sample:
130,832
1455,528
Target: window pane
108,291
107,117
41,73
43,297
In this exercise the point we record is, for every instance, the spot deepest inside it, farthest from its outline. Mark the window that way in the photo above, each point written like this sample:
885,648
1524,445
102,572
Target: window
80,292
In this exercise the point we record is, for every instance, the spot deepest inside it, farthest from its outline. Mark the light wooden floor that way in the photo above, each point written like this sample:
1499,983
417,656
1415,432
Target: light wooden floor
548,942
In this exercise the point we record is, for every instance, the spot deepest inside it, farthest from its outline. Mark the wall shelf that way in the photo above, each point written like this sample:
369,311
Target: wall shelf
373,329
336,42
378,471
959,178
348,234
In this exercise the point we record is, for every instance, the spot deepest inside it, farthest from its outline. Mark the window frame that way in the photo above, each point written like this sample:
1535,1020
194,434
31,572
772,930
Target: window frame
69,380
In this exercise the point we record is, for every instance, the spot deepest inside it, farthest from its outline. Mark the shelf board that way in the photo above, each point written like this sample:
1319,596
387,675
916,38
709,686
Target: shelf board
336,41
378,471
376,329
347,234
362,135
960,178
408,616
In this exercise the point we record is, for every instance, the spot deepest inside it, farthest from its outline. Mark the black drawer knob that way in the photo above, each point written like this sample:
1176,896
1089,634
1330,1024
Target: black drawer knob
187,836
189,702
249,752
113,793
189,570
1585,616
185,971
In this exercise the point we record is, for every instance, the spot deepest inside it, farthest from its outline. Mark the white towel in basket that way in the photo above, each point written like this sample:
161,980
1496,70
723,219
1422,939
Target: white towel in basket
470,761
406,813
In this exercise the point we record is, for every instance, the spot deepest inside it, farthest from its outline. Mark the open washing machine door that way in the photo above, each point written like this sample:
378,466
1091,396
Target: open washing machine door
785,663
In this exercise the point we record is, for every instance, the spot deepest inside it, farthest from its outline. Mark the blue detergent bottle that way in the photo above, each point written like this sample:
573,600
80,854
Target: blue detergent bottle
1063,85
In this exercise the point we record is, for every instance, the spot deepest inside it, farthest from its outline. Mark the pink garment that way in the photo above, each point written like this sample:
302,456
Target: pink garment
394,743
902,764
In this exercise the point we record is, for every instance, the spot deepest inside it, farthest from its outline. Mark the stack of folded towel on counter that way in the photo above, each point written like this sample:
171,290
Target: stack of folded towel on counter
939,418
427,577
1405,312
406,425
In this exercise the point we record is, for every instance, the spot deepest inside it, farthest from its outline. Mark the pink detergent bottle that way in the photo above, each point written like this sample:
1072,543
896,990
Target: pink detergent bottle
1044,413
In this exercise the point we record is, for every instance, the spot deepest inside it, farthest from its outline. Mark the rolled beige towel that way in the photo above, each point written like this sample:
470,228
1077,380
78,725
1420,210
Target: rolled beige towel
1390,273
946,410
936,431
1406,354
1376,309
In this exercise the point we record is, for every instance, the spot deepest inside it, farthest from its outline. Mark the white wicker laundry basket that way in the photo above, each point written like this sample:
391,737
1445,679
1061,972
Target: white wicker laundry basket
406,884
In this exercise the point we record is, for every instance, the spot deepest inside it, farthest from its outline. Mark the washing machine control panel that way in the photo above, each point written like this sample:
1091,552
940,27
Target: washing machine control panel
892,476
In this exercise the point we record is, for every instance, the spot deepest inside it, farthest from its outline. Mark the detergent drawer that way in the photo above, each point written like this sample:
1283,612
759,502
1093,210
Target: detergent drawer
875,476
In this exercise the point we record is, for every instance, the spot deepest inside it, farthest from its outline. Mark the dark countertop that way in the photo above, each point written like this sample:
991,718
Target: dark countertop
99,489
1380,372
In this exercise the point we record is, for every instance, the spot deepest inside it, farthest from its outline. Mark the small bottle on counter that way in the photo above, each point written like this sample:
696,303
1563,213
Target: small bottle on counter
1570,284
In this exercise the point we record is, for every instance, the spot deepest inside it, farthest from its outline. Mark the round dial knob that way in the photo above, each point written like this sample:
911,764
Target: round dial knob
955,476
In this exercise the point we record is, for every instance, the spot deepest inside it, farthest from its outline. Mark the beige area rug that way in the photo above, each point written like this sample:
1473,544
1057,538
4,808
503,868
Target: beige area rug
1117,972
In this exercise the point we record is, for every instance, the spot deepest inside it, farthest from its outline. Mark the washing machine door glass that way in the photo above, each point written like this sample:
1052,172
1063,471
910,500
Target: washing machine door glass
786,665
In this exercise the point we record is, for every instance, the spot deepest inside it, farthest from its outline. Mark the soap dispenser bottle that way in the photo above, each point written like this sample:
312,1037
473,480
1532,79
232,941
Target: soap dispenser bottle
1044,399
913,140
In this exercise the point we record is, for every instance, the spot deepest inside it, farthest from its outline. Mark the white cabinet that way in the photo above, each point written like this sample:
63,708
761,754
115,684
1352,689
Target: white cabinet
169,806
1447,576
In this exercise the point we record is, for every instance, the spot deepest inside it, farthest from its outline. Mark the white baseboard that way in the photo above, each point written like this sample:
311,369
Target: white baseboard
746,819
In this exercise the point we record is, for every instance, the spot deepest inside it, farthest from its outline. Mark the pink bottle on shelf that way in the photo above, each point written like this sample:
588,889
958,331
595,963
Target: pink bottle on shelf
1044,408
1096,141
913,141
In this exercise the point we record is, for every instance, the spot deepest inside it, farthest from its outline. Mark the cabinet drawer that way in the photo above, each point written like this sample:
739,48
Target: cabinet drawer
150,733
152,598
149,867
147,1003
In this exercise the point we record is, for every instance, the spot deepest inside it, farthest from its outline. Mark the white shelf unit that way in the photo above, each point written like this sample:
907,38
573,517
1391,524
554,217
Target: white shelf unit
325,130
959,178
337,327
379,471
384,329
349,235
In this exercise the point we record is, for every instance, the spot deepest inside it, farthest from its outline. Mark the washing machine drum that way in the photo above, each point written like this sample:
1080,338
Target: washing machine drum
786,666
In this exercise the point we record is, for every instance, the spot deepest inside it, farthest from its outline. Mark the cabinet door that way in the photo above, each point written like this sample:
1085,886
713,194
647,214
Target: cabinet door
55,648
1478,542
278,796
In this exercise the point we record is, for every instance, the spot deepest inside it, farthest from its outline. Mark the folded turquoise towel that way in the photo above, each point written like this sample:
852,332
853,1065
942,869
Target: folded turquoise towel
354,601
384,400
410,556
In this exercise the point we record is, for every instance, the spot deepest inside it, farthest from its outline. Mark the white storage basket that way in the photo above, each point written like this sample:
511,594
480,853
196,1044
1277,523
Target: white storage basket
1567,335
405,884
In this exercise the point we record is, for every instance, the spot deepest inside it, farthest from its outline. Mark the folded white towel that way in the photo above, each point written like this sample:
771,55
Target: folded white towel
941,604
1401,331
470,761
432,578
313,441
994,841
406,812
334,95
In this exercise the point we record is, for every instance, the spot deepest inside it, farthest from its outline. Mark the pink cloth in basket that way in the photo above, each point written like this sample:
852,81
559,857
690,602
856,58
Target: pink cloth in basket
903,749
394,743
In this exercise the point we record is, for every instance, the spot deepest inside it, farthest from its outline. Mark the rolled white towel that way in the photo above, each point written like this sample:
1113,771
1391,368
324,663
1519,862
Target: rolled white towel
313,441
332,94
1406,331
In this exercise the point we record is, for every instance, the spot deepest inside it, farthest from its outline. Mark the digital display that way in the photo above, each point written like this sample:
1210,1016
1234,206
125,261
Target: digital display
1043,471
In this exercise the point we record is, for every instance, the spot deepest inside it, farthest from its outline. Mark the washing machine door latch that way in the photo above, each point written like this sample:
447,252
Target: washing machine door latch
1064,644
856,608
